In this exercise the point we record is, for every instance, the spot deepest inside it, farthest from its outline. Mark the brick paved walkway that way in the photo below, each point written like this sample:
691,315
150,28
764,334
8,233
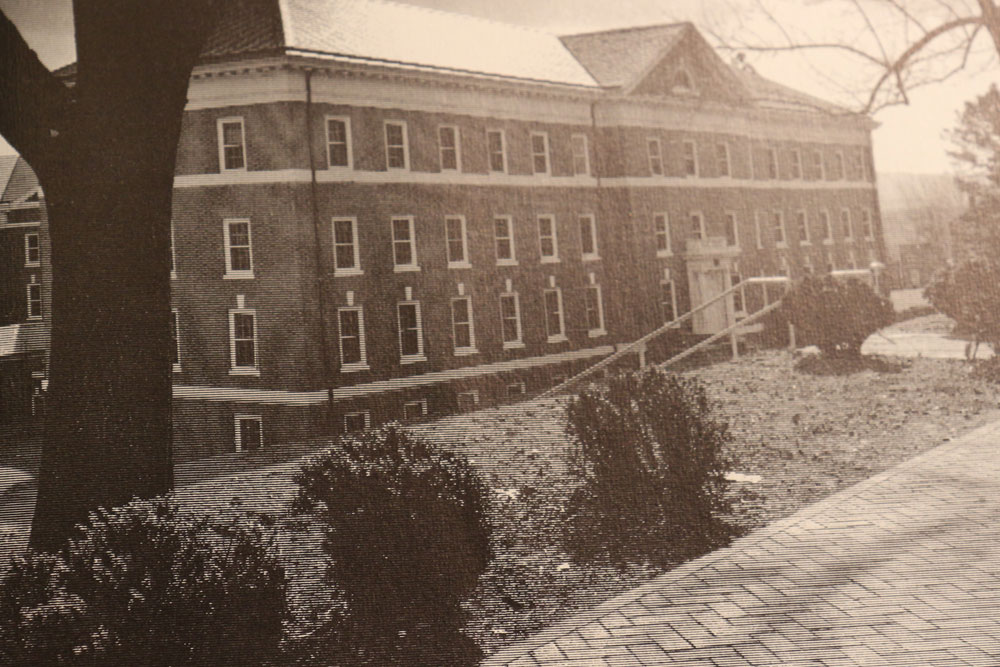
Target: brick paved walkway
901,569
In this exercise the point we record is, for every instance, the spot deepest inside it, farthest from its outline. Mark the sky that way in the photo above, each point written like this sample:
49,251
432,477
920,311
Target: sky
909,138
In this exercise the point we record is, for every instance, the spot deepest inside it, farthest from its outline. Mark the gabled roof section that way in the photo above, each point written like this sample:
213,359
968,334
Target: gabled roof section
617,58
767,93
7,164
21,184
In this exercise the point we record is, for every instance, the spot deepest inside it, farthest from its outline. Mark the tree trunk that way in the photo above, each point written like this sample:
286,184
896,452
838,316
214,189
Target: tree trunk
108,430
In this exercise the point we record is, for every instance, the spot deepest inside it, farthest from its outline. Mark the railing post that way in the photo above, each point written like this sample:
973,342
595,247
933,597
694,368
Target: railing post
791,337
641,349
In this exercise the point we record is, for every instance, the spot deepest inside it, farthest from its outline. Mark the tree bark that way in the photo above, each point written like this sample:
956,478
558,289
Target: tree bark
108,188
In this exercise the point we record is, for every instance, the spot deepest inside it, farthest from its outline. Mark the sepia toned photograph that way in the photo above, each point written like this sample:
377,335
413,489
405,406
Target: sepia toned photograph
500,333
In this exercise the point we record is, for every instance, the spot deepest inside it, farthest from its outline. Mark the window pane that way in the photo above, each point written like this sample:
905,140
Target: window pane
250,439
350,336
232,134
553,321
245,353
239,259
394,134
587,235
456,240
243,325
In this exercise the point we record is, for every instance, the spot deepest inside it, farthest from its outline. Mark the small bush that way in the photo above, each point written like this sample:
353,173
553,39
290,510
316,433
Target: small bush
835,315
408,538
969,293
147,585
651,461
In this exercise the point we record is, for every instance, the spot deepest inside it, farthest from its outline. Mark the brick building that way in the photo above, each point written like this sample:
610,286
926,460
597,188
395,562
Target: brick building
384,212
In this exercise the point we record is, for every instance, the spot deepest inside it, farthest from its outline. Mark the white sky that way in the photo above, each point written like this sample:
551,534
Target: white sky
910,138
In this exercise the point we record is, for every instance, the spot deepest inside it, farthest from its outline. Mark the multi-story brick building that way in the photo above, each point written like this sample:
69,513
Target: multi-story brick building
383,212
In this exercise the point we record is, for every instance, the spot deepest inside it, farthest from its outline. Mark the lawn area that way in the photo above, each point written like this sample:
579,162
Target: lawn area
804,436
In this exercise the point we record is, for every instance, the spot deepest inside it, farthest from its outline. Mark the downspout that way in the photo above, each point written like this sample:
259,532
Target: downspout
318,253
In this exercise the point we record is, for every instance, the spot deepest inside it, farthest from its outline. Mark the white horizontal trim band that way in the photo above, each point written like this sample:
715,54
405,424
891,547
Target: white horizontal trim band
733,183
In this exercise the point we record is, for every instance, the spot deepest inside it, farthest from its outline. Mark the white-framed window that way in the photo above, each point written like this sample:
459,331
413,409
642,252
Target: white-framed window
510,320
232,144
346,250
866,224
661,230
173,253
739,295
239,253
838,166
414,410
351,339
722,159
852,259
548,242
175,341
540,153
655,153
807,265
503,237
357,421
668,298
732,229
818,167
243,353
829,262
826,226
249,433
456,242
463,330
496,146
32,250
772,164
697,225
595,311
338,142
796,165
555,324
449,148
758,225
34,294
581,155
690,158
802,224
588,237
778,228
411,333
397,152
467,400
683,82
516,389
847,228
404,244
783,267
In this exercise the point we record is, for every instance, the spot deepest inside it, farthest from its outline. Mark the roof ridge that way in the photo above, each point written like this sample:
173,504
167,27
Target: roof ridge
637,28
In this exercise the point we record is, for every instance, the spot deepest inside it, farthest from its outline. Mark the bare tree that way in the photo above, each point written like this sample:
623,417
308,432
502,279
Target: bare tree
104,150
887,48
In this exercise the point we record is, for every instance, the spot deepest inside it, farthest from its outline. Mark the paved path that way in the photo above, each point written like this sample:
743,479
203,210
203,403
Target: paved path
928,345
901,569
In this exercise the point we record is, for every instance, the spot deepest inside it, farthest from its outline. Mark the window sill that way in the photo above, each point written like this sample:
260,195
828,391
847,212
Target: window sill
354,368
550,260
32,265
250,372
176,368
597,333
558,338
405,268
412,359
397,169
173,275
827,241
344,273
35,318
238,275
591,258
223,170
506,262
465,351
459,265
664,253
513,345
340,168
781,245
734,246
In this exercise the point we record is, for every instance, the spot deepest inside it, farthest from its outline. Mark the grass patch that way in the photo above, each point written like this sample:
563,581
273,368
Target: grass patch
821,364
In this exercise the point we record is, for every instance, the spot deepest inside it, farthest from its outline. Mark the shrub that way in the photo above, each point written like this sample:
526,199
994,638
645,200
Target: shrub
650,458
835,315
407,535
969,293
145,584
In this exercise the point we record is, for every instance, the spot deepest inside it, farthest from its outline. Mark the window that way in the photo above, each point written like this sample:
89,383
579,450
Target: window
739,295
448,148
346,254
467,400
757,217
232,151
554,325
838,166
772,164
396,153
414,410
32,251
411,336
338,141
690,158
462,329
796,167
547,241
404,246
852,261
173,253
243,342
682,82
866,224
595,312
697,229
581,155
829,262
655,157
458,254
34,301
540,152
357,421
503,234
249,433
668,298
732,233
239,258
722,158
818,167
783,266
588,236
515,389
351,323
824,222
661,229
778,225
802,223
175,344
845,224
510,320
495,144
807,265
